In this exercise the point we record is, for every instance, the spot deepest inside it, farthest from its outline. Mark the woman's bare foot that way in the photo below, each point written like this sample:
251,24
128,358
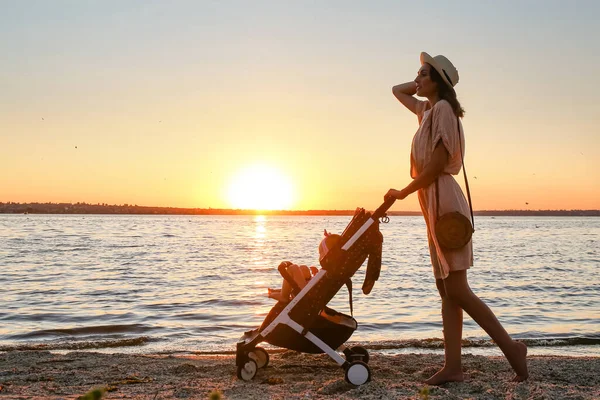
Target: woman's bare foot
445,375
518,361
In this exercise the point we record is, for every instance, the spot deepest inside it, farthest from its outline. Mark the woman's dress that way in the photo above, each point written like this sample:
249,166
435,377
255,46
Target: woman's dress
451,198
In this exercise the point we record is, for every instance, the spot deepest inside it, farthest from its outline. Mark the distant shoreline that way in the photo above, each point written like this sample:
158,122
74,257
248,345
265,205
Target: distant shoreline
85,208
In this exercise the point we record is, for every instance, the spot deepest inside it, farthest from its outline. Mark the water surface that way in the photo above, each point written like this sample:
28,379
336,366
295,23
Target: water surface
196,283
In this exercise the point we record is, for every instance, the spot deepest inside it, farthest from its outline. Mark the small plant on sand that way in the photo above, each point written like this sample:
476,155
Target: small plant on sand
215,395
424,393
94,394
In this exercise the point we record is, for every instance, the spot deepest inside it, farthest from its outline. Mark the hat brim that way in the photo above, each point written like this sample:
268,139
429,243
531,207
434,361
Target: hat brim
426,58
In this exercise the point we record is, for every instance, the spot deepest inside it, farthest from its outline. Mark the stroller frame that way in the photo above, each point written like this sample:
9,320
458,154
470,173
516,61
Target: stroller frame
249,357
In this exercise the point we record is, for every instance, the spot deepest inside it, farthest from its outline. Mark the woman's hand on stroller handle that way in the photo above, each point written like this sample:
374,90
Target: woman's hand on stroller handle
394,194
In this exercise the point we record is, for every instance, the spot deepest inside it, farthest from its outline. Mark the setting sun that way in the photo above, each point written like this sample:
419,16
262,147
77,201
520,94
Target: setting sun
260,187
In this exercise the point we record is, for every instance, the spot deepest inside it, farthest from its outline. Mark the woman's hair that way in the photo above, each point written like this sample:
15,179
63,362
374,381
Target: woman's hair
446,92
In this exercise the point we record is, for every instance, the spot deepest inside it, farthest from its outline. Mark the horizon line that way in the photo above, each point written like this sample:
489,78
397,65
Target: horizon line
266,211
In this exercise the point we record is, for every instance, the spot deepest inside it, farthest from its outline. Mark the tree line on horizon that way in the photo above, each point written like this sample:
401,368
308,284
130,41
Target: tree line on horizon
103,208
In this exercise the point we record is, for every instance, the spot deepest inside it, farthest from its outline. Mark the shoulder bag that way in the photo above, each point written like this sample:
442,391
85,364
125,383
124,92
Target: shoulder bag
453,230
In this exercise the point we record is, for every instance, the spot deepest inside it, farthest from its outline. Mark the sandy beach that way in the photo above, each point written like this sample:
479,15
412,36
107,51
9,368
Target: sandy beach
289,375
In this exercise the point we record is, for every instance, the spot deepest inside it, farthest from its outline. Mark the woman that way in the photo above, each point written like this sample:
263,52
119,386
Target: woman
436,154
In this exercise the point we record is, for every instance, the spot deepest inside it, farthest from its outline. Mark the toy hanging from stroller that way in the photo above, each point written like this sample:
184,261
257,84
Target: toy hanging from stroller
305,323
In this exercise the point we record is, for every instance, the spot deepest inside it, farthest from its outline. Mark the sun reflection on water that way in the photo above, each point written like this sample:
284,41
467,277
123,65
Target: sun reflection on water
260,230
258,240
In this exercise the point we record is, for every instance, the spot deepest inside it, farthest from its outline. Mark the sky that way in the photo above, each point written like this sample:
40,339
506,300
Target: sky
175,103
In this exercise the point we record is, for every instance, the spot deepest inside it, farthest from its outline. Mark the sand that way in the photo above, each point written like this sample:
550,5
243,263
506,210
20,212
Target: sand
289,375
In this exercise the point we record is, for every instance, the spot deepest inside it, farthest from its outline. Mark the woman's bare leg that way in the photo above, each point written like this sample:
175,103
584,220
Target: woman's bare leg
458,290
452,318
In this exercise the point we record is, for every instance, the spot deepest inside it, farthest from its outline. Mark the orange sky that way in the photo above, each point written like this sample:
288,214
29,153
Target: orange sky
158,105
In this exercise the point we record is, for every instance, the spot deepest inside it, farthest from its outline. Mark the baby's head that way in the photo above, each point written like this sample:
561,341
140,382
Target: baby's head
327,243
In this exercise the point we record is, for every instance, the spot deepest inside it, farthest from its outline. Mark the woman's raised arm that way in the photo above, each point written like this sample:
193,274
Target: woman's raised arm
404,93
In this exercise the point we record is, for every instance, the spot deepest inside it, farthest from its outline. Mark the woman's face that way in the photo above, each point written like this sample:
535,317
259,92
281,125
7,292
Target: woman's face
425,85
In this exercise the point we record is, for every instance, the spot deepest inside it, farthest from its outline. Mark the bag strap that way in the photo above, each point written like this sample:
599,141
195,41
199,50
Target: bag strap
349,286
437,197
465,175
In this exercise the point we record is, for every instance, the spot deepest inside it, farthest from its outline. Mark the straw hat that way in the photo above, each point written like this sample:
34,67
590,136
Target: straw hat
442,65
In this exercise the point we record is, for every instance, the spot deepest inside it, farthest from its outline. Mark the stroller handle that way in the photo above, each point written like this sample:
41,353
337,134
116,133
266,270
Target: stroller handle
380,212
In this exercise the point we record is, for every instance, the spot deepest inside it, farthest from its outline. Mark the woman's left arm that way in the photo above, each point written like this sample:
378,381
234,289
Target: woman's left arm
432,170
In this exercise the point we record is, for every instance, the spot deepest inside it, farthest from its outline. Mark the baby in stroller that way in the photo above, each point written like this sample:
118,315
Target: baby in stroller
301,274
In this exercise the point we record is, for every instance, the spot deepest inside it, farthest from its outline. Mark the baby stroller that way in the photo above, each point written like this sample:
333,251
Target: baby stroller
305,323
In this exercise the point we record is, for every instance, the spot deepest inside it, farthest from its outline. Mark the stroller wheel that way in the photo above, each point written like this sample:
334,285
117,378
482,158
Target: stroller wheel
359,353
358,373
259,355
247,371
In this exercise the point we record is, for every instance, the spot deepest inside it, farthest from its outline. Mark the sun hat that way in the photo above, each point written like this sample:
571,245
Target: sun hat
442,65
